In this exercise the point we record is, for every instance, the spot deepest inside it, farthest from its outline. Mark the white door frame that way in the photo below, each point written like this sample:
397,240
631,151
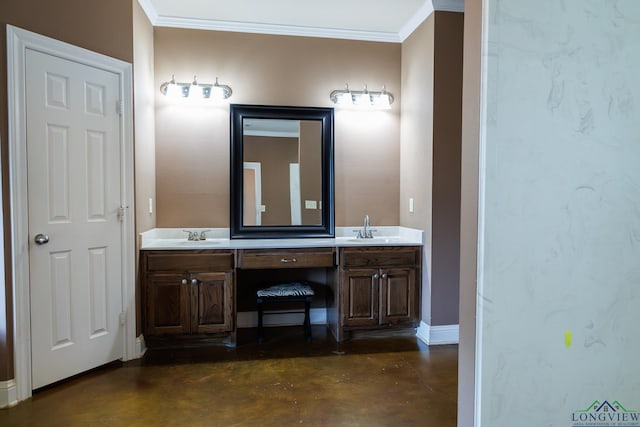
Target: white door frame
294,194
257,173
18,41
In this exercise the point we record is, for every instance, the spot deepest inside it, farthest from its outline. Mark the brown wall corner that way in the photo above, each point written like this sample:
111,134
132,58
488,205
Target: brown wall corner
447,144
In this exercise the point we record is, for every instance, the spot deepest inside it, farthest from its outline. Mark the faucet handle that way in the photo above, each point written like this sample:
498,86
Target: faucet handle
202,235
192,235
359,235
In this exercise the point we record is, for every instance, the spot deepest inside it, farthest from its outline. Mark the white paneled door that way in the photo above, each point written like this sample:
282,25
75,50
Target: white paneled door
74,194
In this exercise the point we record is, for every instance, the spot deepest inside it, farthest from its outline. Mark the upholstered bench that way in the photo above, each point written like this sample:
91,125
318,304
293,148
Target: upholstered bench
294,291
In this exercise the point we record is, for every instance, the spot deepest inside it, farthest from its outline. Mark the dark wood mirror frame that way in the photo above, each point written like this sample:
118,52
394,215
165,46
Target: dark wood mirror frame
327,226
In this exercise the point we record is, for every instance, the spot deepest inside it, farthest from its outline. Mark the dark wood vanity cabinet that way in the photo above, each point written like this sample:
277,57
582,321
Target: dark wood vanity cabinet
378,287
193,292
187,292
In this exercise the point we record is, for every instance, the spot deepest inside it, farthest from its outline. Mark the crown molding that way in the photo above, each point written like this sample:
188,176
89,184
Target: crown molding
283,30
292,30
448,5
149,10
425,11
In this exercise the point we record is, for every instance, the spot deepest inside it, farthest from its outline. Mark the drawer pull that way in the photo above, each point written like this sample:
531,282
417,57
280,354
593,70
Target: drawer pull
287,260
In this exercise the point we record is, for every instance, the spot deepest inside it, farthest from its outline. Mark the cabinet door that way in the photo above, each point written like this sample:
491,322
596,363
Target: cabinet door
166,304
360,297
398,296
212,302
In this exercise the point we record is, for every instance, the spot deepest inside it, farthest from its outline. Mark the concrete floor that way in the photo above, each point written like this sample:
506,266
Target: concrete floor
368,381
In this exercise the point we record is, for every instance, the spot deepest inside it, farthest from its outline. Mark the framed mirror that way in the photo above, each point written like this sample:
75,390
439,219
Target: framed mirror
282,177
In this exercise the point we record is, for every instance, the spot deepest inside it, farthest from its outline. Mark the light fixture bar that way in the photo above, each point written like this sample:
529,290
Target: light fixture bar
348,97
205,90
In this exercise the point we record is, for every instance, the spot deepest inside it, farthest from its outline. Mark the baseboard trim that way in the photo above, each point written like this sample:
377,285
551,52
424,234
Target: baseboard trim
438,335
8,394
249,319
141,346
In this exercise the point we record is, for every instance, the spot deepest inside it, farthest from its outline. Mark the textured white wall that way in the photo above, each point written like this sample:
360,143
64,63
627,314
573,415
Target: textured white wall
559,238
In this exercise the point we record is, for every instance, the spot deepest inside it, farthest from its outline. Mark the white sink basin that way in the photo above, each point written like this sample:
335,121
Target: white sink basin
374,240
206,242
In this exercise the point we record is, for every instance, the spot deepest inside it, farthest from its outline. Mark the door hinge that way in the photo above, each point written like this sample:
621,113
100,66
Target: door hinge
119,107
122,210
123,319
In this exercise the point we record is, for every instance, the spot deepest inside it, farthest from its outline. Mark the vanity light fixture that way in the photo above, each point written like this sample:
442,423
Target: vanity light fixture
363,98
195,89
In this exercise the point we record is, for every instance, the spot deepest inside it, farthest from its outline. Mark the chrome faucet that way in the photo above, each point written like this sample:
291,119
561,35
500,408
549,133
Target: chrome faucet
365,228
195,236
367,231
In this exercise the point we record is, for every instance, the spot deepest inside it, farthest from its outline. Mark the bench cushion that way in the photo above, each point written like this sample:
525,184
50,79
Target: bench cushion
294,289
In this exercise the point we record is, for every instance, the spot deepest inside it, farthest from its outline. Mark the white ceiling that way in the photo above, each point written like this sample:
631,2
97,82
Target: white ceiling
376,20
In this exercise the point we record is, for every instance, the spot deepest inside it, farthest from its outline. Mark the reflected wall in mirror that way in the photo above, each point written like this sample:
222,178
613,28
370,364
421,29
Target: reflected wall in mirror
281,172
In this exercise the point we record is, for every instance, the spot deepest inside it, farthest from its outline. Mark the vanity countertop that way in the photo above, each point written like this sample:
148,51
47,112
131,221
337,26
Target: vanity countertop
218,238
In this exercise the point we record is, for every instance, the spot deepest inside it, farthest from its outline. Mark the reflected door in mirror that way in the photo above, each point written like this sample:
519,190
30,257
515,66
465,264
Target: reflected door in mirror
289,156
252,194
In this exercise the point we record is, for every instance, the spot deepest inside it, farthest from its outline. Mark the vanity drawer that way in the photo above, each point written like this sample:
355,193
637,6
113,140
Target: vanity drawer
396,256
192,261
286,258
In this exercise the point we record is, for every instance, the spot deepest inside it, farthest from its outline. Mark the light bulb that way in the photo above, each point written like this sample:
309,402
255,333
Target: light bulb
217,92
364,99
382,101
172,89
195,90
344,98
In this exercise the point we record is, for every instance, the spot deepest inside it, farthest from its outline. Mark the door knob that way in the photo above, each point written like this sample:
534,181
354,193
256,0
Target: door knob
41,239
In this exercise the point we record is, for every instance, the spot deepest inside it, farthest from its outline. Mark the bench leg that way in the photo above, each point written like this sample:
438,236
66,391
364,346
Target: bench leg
260,312
307,319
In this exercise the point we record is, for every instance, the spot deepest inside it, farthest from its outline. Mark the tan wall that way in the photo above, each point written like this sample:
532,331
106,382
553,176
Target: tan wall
192,141
144,112
310,170
469,210
144,128
416,163
104,27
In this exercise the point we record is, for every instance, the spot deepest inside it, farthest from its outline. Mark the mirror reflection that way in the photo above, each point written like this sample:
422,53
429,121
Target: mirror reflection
282,172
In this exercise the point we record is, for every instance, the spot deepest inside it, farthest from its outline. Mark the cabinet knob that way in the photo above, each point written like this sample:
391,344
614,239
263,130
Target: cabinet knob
376,276
194,281
384,275
184,281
